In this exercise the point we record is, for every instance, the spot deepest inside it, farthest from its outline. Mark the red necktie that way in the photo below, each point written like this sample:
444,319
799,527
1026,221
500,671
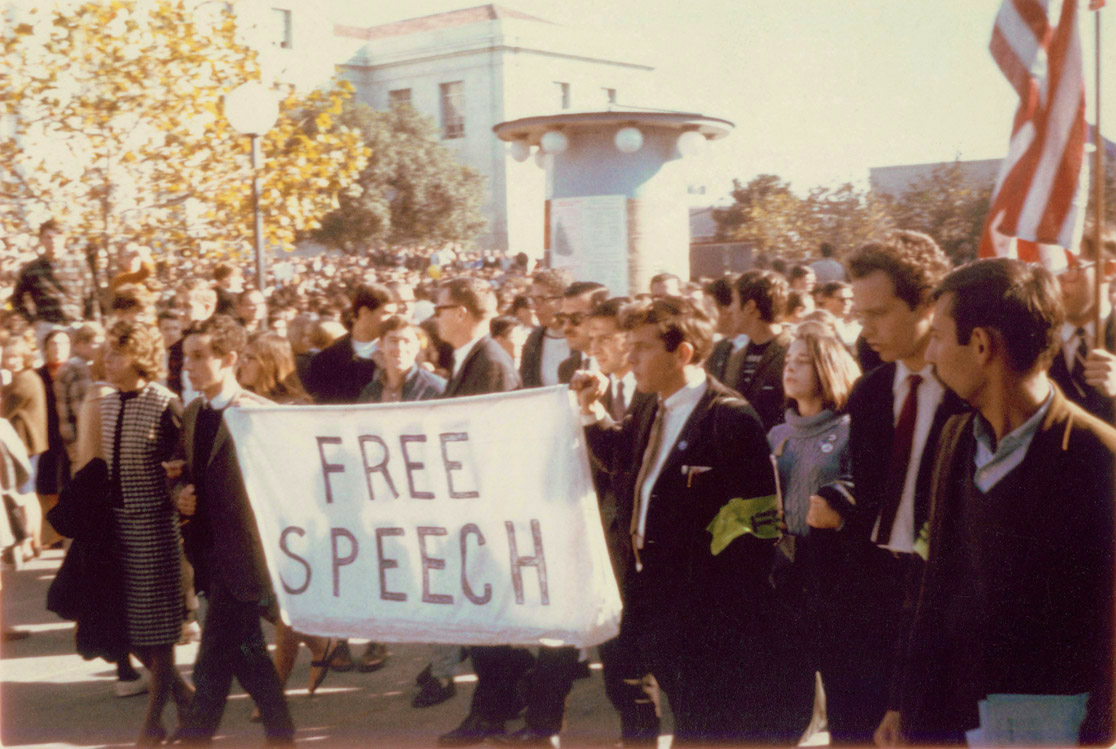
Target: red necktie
901,444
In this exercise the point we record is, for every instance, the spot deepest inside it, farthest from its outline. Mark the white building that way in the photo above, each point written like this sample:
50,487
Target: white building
471,69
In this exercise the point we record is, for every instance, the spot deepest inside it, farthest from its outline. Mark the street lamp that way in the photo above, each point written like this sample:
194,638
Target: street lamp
251,108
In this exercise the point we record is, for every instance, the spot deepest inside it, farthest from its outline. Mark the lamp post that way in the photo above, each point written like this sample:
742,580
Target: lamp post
251,108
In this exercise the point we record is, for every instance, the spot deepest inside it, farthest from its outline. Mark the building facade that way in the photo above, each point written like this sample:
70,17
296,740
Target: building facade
471,69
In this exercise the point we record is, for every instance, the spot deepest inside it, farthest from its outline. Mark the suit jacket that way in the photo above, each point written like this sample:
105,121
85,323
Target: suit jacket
696,595
530,360
765,390
1017,595
419,385
575,361
487,369
25,407
1092,400
221,537
175,359
871,430
717,363
337,375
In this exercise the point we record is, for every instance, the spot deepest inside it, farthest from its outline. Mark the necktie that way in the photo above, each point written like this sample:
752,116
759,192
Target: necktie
654,441
1081,350
901,444
618,407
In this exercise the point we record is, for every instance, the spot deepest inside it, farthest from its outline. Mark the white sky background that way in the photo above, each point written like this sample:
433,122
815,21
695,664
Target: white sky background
820,90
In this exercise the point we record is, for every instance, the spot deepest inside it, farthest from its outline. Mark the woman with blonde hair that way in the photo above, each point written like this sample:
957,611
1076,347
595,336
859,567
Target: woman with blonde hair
267,368
811,453
140,423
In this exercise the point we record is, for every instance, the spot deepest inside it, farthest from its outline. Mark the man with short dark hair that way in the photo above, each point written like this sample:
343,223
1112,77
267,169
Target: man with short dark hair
720,292
223,544
546,346
802,278
578,300
836,297
697,604
1013,600
897,413
665,284
58,284
339,373
759,302
198,302
228,284
251,310
480,366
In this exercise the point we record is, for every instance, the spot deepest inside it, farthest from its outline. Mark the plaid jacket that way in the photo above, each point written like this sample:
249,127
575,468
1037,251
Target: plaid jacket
58,289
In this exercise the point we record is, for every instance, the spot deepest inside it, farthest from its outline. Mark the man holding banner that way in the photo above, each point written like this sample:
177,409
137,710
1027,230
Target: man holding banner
693,475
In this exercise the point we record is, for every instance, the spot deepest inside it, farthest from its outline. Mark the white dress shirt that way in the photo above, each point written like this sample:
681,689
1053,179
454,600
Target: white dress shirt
554,352
679,408
1069,339
629,388
461,354
229,390
930,394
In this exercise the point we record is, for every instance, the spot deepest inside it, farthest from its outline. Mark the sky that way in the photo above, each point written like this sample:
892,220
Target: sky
819,90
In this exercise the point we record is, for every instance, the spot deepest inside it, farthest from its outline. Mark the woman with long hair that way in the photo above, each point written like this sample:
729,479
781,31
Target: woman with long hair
810,451
267,368
140,423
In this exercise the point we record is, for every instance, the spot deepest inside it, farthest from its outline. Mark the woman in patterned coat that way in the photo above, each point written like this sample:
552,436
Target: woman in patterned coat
140,422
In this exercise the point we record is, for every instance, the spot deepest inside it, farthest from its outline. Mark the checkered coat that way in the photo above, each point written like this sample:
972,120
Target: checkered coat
146,524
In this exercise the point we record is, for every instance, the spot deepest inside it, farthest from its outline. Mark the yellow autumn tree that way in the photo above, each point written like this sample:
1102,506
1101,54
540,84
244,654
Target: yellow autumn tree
112,121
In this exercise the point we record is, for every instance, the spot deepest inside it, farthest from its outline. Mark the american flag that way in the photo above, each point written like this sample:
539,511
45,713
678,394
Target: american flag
1042,186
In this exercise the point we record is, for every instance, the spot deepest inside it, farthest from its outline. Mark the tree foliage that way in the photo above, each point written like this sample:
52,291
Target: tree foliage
116,127
414,192
767,213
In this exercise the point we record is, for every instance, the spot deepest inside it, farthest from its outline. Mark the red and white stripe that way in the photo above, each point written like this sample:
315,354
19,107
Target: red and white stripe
1042,186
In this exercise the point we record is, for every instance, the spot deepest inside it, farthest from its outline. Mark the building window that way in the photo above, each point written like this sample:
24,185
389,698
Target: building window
609,95
453,110
399,96
562,91
281,28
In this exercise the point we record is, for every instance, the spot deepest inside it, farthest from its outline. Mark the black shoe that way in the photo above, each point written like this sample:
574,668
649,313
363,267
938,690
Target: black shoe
423,676
473,730
525,736
374,658
433,692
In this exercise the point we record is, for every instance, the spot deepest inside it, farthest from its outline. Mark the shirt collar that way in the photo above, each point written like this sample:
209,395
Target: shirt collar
1018,438
461,354
691,392
220,402
365,350
902,372
1069,329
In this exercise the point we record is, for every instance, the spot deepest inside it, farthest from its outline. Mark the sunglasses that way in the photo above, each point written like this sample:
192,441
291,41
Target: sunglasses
573,318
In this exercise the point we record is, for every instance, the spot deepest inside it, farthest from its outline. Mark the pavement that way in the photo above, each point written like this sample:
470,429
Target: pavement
51,697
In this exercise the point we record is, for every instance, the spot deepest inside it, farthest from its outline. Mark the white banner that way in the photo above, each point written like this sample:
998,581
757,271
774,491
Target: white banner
469,521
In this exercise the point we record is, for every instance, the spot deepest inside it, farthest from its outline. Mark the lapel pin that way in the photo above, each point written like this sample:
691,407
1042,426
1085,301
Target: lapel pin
683,445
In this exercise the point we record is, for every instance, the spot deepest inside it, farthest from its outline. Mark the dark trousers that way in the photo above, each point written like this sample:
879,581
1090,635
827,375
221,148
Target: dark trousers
861,640
499,670
547,686
625,681
232,644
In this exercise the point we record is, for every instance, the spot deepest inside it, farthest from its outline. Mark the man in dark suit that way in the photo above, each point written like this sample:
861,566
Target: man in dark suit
480,366
224,544
1015,599
338,374
759,302
341,371
897,412
691,470
1085,368
546,346
578,300
198,303
720,292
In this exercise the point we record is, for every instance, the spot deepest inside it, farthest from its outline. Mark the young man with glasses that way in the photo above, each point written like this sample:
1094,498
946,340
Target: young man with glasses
546,346
1084,368
578,300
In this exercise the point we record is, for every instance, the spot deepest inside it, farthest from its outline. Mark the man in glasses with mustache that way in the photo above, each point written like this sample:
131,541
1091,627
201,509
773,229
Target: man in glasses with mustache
1085,367
578,300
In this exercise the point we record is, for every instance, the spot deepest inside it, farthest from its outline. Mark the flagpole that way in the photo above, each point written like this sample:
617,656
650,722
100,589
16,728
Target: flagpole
1098,190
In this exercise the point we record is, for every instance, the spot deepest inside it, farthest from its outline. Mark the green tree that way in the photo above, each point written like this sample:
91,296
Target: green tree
117,128
413,192
947,205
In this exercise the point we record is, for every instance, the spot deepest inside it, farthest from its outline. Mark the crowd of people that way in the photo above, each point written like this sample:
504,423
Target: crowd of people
875,488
